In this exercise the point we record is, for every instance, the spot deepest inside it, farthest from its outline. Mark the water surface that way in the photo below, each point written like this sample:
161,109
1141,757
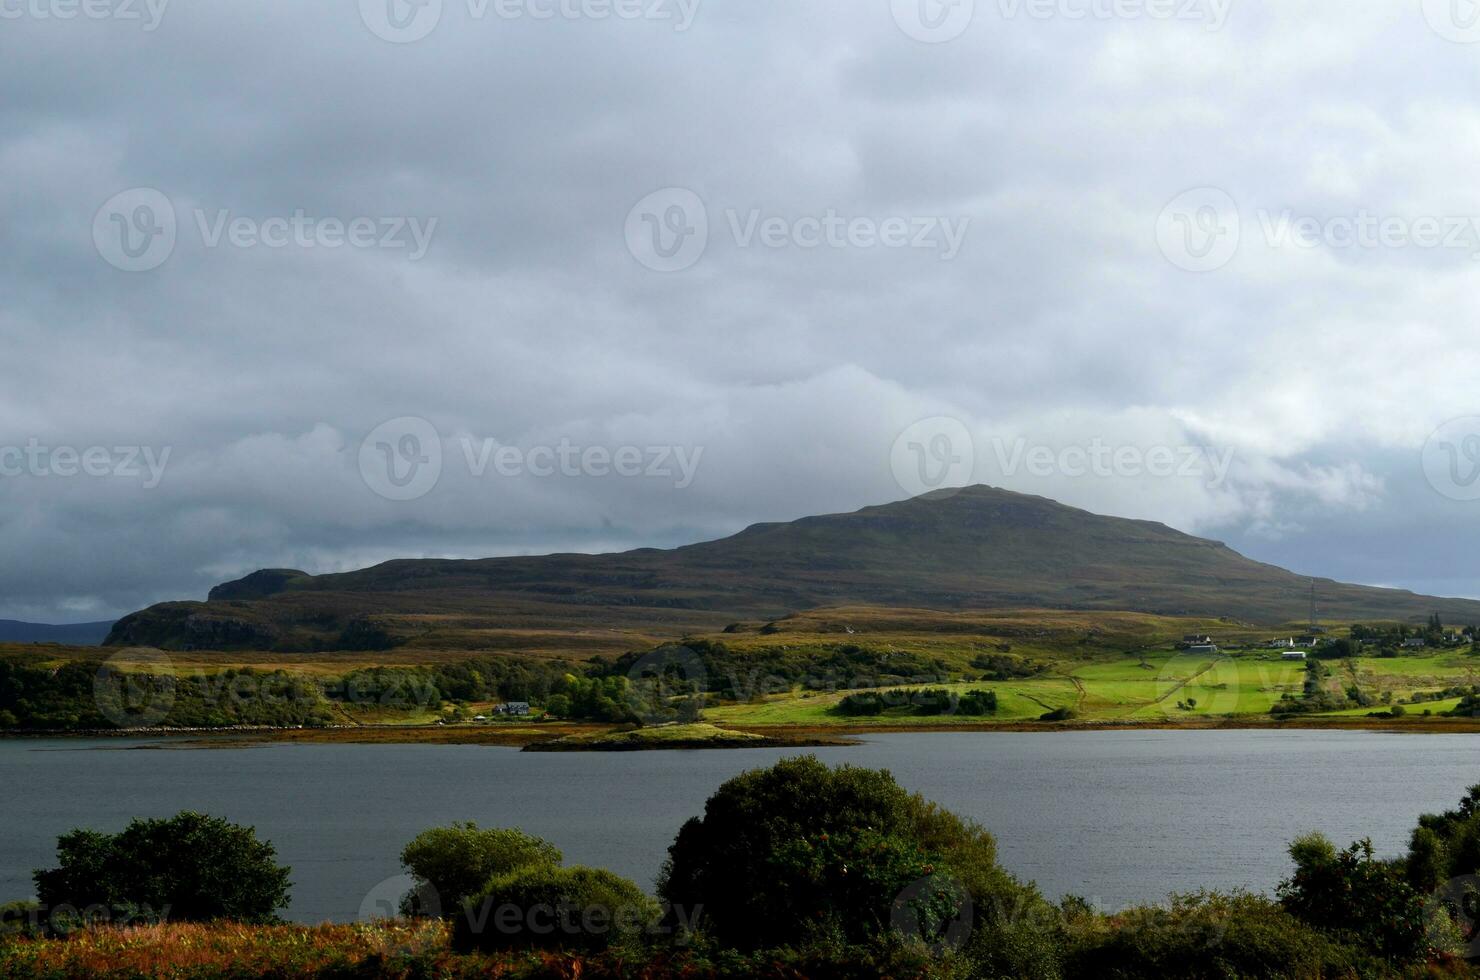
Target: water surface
1118,817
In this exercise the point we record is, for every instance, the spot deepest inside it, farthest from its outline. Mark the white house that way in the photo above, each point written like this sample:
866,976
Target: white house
1293,655
1202,648
1415,641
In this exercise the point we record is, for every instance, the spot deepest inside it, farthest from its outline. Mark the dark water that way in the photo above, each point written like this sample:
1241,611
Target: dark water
1119,817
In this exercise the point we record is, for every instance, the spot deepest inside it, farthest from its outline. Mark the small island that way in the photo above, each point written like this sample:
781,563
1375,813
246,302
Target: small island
697,735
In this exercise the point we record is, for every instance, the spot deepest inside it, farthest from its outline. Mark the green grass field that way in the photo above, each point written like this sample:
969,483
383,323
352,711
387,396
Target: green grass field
1105,667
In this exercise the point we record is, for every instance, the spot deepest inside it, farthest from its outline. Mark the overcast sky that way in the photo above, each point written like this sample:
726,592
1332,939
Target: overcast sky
321,284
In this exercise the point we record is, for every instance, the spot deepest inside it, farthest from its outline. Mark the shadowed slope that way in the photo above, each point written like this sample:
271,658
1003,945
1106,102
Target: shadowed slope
979,547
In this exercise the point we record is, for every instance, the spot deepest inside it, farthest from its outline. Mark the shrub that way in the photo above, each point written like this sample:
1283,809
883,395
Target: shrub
190,868
547,907
1206,935
978,703
810,857
1057,714
1355,899
453,863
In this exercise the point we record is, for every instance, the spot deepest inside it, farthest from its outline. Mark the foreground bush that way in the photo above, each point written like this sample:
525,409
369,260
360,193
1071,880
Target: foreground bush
451,864
189,868
1356,899
548,907
803,856
1205,936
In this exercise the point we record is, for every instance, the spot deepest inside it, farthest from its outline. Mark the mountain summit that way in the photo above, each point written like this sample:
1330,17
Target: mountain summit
974,548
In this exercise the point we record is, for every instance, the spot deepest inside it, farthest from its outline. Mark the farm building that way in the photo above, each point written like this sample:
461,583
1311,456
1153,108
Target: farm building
1293,655
512,708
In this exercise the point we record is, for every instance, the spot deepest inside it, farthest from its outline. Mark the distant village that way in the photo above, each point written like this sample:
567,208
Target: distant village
1385,640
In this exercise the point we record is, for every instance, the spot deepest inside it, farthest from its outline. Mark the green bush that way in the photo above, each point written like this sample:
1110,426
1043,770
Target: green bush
808,857
547,907
454,863
1355,899
189,868
1205,935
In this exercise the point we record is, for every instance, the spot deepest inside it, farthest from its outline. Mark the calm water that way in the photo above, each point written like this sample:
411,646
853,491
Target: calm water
1120,817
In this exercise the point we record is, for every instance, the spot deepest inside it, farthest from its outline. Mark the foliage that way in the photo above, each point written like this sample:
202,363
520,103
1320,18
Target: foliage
453,863
1005,667
1446,845
188,868
1356,899
926,702
810,857
1204,935
543,906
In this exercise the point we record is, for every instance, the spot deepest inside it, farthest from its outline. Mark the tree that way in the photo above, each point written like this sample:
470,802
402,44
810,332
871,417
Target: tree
549,907
802,855
1355,898
451,864
191,868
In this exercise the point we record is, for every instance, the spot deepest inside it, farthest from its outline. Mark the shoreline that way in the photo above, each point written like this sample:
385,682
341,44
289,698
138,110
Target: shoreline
780,735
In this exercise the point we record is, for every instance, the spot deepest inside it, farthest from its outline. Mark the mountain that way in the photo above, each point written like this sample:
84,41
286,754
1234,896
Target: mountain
75,634
974,548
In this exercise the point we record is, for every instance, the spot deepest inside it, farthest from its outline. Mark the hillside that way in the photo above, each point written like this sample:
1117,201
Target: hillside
978,548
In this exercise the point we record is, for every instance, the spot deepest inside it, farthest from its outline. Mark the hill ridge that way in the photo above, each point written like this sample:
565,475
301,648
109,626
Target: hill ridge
978,547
